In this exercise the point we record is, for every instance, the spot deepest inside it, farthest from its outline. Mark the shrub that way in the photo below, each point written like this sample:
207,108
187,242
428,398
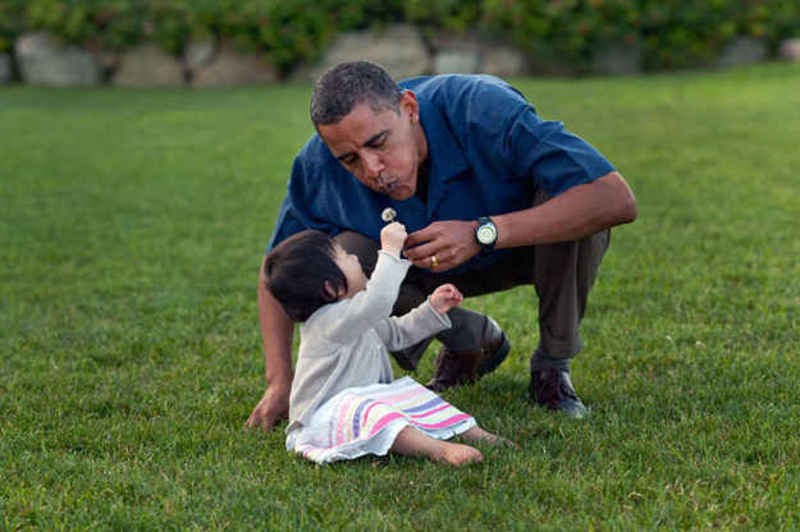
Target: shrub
11,22
672,33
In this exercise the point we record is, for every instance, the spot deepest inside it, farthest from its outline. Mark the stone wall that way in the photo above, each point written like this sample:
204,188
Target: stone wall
401,48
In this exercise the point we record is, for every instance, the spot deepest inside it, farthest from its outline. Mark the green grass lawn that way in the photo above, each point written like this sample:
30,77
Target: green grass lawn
132,223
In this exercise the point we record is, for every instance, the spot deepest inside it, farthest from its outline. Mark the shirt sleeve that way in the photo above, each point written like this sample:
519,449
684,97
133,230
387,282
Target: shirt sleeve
406,330
368,307
541,151
553,157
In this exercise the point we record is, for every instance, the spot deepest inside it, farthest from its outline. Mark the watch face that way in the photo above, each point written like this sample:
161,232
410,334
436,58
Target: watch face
487,234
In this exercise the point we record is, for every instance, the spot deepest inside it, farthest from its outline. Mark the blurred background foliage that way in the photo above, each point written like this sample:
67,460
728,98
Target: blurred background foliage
671,33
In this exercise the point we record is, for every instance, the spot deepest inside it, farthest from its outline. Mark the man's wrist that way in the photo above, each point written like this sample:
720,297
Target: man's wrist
486,234
280,381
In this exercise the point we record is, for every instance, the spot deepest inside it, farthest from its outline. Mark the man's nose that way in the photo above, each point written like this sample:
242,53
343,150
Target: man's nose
372,166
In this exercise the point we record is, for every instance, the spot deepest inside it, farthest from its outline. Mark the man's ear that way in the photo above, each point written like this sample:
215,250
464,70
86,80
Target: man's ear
331,292
409,103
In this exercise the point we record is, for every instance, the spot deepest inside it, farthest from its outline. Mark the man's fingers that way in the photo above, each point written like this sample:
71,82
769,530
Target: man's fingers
418,248
429,234
265,423
251,423
266,415
257,421
419,237
423,252
428,264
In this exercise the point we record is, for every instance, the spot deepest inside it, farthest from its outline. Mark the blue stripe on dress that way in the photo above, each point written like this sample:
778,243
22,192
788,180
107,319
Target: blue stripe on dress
425,406
357,417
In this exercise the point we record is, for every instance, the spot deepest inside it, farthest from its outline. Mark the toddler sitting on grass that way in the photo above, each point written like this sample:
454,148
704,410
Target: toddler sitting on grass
344,402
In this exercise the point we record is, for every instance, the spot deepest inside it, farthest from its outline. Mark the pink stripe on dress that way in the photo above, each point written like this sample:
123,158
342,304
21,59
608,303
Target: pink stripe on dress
344,414
449,421
385,420
398,397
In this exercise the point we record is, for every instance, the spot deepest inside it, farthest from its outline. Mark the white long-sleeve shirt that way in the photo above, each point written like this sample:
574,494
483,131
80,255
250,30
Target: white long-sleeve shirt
347,343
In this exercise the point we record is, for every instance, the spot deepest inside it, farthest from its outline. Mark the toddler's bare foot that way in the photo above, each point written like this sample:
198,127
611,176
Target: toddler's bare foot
478,435
457,454
412,442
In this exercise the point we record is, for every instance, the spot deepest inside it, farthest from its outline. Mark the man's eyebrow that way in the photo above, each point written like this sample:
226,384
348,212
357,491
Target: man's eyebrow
374,139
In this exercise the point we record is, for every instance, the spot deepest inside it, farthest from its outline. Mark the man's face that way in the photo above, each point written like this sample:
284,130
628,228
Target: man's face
382,149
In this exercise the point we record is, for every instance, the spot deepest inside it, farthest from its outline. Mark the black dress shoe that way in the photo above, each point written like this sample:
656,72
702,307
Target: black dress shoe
455,369
552,389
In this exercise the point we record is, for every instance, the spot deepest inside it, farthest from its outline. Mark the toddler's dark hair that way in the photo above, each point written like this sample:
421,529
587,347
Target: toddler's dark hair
296,271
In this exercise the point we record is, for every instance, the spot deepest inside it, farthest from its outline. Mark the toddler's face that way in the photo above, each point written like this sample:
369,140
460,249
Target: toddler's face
351,267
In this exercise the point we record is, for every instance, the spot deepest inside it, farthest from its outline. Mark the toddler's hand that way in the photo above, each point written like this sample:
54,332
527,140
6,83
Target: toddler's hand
393,237
445,297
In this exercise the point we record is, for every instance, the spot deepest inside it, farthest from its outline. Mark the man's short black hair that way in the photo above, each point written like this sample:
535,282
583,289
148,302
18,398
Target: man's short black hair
296,271
346,85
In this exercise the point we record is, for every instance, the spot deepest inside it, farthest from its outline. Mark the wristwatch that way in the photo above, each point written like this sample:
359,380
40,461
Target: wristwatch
486,234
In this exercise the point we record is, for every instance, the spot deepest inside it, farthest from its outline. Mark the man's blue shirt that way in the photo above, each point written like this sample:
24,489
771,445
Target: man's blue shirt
488,153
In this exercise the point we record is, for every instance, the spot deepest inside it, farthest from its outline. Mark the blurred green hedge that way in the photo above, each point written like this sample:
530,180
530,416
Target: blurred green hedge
671,33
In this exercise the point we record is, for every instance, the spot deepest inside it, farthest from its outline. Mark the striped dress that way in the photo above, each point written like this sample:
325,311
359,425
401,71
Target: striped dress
367,419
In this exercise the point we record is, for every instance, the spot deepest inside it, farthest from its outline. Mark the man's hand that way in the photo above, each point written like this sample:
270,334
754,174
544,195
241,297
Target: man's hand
276,338
442,245
445,297
272,408
393,236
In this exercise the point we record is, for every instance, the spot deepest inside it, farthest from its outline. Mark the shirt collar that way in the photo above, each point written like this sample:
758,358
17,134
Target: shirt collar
447,160
446,156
